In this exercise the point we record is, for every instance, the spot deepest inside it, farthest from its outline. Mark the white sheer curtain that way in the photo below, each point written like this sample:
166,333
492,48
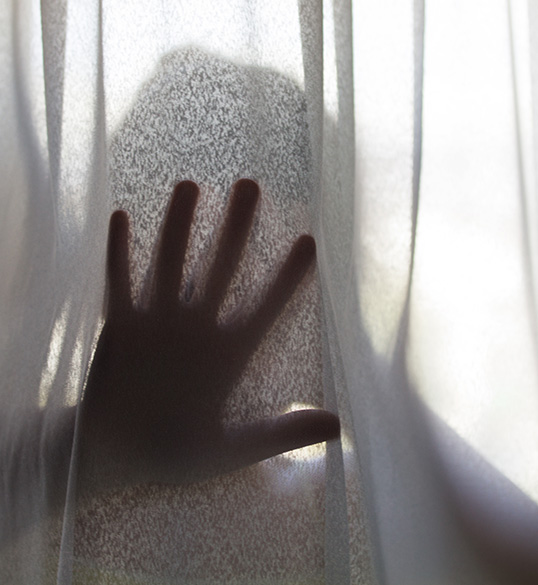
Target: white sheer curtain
401,134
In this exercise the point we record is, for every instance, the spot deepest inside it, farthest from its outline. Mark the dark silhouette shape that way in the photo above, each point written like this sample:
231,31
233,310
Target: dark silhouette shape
152,408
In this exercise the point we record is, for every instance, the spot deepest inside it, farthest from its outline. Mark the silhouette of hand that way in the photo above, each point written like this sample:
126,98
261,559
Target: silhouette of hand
153,405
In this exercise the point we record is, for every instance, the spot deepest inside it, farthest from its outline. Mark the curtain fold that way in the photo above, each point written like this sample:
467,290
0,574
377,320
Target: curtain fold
402,136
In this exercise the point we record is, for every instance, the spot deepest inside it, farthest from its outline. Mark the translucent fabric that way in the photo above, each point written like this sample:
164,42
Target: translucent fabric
400,135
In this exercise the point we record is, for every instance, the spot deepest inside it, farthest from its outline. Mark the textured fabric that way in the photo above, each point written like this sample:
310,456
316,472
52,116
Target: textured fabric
401,134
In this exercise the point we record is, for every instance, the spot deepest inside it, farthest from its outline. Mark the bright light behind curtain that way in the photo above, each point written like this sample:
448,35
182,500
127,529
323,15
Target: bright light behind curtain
399,135
473,333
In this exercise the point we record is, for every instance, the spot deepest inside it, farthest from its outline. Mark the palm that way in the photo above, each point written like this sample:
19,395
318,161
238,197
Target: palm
153,406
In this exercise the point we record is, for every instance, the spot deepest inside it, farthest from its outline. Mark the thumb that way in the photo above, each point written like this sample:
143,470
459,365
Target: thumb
272,436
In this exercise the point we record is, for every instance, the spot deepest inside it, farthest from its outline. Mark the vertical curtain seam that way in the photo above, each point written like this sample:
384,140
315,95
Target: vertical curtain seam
338,574
418,58
334,575
523,188
333,570
419,24
98,175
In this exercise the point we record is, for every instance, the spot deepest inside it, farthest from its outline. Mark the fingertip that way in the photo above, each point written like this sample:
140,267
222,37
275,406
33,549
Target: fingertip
307,427
186,186
186,190
119,219
118,230
246,191
321,425
331,426
306,247
118,287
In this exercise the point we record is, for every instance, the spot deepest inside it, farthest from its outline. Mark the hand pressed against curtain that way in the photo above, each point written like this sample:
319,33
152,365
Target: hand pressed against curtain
152,409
